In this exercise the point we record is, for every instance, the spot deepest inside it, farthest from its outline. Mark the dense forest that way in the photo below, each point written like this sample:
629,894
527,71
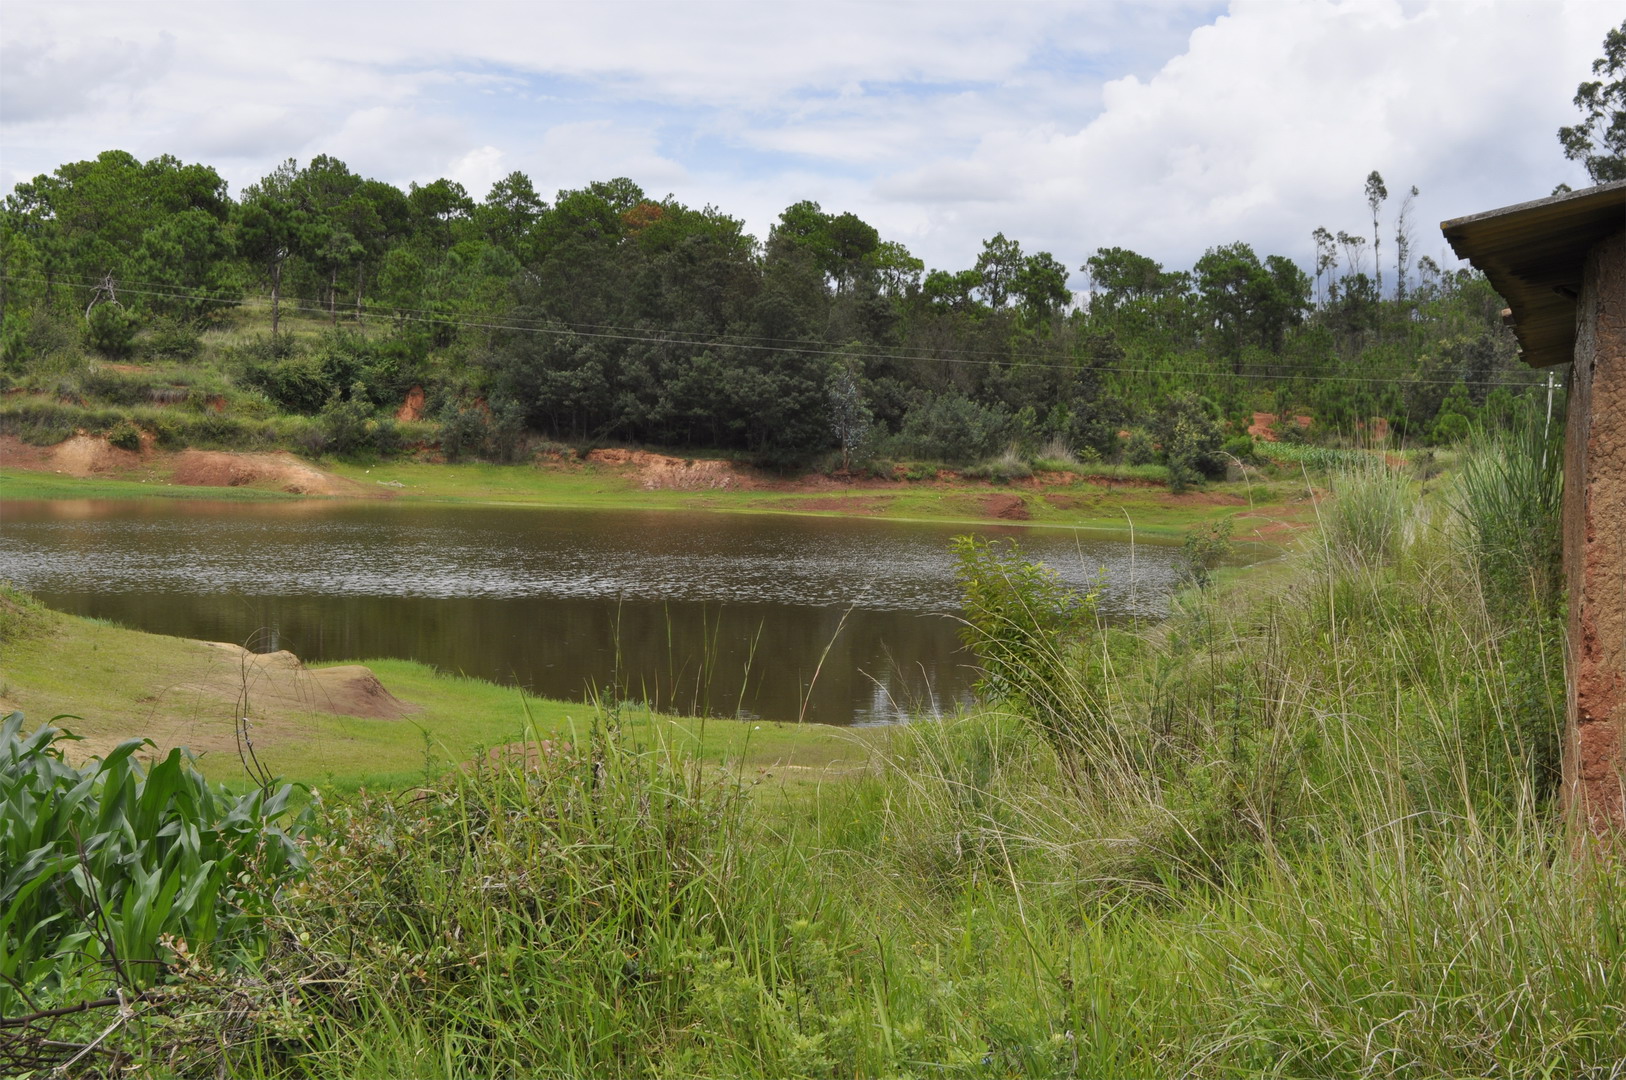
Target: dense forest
610,316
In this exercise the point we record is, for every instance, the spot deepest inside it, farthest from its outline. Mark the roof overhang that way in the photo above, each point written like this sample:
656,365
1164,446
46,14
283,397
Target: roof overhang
1534,255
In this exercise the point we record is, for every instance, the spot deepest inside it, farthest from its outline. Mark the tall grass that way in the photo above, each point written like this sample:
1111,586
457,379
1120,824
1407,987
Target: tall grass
1510,498
1298,829
1365,521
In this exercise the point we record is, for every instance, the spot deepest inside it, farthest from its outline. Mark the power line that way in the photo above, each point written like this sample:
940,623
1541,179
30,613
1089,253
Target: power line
428,316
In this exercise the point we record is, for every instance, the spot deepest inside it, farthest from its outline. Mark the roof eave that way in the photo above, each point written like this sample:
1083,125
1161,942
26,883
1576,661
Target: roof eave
1534,254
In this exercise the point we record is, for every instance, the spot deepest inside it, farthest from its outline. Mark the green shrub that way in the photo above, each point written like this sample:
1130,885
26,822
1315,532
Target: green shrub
39,423
1189,430
952,428
592,870
1510,497
1242,448
1205,547
115,388
1000,470
172,339
1139,448
111,330
125,436
1025,624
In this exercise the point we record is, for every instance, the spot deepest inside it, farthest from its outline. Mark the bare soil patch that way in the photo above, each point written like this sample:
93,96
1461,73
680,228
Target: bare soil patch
79,455
275,683
412,407
199,693
657,472
1263,427
1006,507
281,470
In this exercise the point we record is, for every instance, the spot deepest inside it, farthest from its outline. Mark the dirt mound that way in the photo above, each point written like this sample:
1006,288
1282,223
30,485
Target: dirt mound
283,471
80,455
657,472
277,682
1006,507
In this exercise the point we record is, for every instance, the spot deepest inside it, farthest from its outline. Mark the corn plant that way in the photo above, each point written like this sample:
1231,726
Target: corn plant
100,863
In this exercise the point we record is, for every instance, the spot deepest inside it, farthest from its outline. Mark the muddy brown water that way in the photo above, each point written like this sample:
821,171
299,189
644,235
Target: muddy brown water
784,618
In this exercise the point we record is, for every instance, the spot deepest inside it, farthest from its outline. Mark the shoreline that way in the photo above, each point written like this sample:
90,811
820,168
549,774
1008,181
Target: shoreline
1263,511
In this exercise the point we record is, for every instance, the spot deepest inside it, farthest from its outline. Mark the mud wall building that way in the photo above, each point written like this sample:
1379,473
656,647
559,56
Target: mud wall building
1560,263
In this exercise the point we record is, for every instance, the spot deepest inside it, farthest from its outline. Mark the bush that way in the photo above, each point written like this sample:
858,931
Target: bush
1139,448
172,339
952,428
115,388
111,329
1364,522
40,423
1205,547
1242,448
1190,433
125,435
1000,470
594,870
1510,497
1025,624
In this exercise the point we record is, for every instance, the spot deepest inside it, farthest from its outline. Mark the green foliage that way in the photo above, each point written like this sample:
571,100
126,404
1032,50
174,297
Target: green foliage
1188,427
1510,496
595,871
1000,470
116,388
105,862
1025,626
1599,140
1364,522
1139,449
1454,421
171,339
125,436
1242,448
1204,548
111,330
46,423
952,428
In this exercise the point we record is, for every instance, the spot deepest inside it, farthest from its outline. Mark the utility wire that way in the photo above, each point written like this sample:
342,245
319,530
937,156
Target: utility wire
428,316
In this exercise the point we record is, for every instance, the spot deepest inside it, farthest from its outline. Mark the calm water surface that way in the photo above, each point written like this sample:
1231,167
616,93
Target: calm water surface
786,618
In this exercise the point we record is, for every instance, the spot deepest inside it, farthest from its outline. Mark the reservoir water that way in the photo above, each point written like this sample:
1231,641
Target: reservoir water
786,618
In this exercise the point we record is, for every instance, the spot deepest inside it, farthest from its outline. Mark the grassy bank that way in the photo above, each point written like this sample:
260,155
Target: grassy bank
126,684
1304,827
1265,509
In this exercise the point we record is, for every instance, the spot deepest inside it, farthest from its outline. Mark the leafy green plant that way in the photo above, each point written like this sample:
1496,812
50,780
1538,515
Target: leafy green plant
1000,470
125,436
101,863
1204,548
1189,430
111,329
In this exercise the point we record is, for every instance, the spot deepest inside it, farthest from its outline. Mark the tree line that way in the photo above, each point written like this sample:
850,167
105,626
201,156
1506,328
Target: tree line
608,315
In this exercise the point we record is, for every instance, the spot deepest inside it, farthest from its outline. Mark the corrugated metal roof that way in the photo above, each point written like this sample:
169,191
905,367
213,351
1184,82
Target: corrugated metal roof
1533,254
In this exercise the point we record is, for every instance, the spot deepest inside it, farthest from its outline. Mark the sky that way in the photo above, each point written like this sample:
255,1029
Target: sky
1167,128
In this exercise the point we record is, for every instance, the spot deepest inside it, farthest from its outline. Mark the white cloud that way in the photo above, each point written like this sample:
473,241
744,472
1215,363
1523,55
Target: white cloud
1069,126
1268,123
